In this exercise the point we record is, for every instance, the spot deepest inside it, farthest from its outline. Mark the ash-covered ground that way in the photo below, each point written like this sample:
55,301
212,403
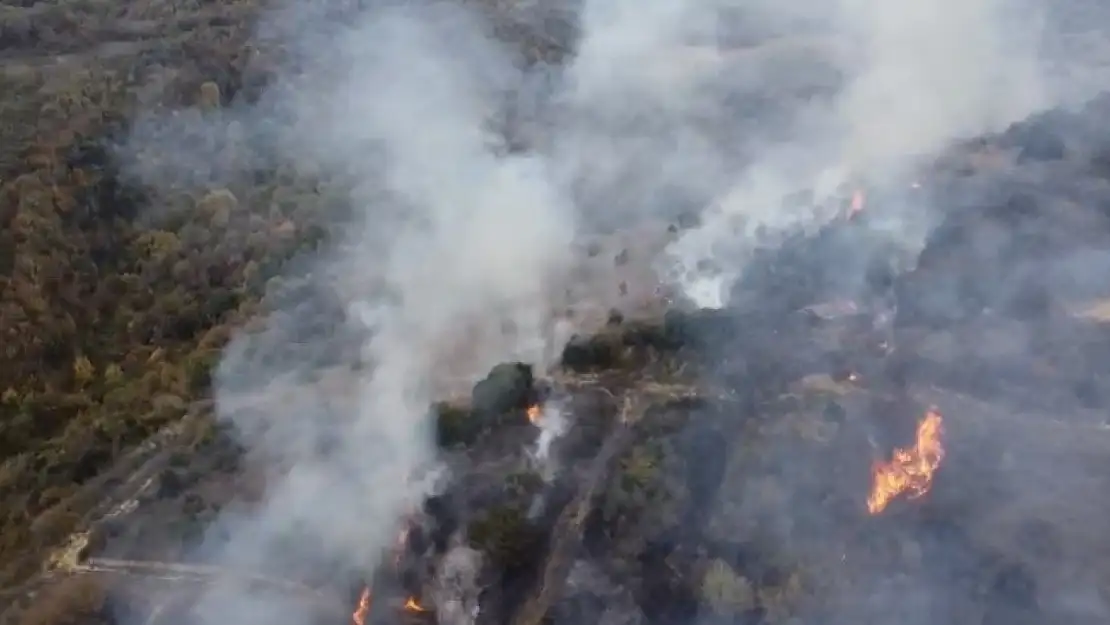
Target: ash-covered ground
713,466
746,455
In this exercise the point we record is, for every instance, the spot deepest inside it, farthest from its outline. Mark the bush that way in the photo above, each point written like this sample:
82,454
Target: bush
725,591
455,425
524,484
505,535
509,386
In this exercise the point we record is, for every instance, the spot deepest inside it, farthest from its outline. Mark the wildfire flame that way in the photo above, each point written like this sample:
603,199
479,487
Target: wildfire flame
363,607
534,414
412,605
859,199
910,470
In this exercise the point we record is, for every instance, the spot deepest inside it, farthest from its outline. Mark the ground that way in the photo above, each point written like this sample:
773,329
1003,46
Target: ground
731,493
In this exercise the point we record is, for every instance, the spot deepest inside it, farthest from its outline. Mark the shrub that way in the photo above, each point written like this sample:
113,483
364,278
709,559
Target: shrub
726,591
505,535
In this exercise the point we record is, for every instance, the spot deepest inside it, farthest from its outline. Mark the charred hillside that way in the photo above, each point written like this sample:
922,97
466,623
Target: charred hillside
723,466
736,457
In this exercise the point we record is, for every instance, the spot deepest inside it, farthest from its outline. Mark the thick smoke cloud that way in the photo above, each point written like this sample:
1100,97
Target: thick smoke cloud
459,238
916,76
461,244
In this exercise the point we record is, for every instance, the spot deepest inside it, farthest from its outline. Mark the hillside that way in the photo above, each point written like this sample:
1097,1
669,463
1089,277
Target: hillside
710,466
115,302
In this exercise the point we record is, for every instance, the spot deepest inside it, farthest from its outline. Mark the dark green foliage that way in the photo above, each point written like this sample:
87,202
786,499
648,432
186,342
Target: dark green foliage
171,483
523,484
638,496
500,398
592,353
508,387
455,425
700,328
639,469
624,344
506,536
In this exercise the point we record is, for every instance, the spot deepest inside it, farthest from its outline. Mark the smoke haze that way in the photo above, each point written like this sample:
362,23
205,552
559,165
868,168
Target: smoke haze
463,239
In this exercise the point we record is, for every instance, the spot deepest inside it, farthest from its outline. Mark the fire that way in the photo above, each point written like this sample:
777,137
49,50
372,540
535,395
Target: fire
858,202
412,605
534,414
910,470
363,607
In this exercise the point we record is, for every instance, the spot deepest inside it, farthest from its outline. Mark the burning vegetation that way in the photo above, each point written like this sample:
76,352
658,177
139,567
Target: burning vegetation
910,470
361,613
362,607
534,413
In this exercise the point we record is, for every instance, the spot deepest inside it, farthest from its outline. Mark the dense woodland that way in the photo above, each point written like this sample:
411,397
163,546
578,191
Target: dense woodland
115,300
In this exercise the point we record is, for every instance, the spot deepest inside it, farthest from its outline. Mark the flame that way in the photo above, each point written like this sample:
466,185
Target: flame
363,608
859,199
910,470
534,414
412,605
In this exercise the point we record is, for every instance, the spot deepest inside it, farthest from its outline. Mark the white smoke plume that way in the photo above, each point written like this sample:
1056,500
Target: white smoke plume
651,116
552,424
461,238
918,76
455,587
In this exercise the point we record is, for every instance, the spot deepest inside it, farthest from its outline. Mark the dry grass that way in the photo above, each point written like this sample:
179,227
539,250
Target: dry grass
71,601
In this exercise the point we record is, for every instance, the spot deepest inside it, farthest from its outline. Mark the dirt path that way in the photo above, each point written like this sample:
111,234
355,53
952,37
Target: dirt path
113,493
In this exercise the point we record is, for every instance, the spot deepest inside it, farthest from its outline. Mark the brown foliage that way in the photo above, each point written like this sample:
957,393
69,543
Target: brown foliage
109,323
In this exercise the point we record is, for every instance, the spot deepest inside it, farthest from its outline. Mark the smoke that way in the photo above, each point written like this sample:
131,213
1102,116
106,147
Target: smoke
934,72
919,76
458,241
552,424
455,588
445,266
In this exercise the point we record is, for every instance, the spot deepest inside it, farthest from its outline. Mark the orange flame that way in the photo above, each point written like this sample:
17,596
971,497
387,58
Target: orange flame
363,608
859,199
412,605
534,414
910,470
